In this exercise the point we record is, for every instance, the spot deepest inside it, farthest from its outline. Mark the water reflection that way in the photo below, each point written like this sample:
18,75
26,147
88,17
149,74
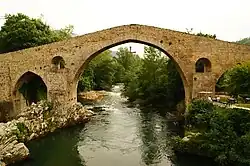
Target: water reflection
58,148
151,133
117,136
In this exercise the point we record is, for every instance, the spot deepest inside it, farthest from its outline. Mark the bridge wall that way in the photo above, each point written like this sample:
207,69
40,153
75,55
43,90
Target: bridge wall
5,83
184,49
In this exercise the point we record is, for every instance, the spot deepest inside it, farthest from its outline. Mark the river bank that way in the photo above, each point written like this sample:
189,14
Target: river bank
118,134
37,121
216,132
90,96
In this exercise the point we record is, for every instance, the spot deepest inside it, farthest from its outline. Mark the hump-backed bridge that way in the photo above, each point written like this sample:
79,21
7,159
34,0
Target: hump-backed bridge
184,49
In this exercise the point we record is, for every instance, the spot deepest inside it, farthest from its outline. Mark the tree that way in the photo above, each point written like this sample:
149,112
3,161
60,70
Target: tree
127,62
244,41
104,71
99,74
156,80
237,80
20,32
86,81
216,132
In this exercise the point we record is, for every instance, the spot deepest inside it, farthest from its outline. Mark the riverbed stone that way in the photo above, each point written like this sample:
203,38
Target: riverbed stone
32,136
36,121
12,150
2,163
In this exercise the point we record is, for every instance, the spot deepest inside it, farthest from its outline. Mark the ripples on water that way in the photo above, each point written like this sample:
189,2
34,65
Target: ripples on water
118,136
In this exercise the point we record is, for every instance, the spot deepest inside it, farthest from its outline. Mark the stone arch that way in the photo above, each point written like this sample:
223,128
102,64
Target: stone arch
58,63
80,70
29,88
203,65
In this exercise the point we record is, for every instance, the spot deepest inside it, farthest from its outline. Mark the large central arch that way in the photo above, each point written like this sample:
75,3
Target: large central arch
124,41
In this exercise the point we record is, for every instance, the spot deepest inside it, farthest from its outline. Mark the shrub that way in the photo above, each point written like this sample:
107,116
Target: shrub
21,132
225,137
198,113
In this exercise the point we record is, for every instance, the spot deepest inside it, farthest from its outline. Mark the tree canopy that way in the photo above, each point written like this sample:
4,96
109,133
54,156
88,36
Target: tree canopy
99,74
244,41
235,81
20,31
152,79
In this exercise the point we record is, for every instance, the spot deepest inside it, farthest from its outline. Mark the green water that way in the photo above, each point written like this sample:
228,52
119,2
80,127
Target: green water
118,136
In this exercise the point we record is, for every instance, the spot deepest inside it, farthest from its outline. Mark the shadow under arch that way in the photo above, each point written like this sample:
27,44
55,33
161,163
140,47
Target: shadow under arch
58,63
203,65
104,48
29,88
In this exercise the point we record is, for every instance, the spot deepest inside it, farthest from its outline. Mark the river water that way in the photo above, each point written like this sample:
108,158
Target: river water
118,136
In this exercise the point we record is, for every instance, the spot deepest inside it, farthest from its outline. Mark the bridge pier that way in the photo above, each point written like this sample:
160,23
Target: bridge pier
203,85
58,92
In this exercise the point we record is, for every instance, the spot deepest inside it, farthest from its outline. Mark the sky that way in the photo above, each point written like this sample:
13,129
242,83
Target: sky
228,19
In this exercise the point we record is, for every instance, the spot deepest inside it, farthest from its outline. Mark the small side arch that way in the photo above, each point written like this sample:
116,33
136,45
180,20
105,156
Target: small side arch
58,63
29,88
203,65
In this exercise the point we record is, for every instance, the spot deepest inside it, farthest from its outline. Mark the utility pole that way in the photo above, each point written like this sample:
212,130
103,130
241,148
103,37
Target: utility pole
130,50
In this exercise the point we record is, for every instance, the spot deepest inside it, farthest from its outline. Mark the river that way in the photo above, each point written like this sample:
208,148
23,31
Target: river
118,136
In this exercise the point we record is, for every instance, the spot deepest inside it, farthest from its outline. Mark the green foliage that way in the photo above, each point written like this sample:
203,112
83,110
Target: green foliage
86,81
99,74
226,137
198,113
206,35
155,80
244,41
104,71
22,132
236,81
128,64
20,32
190,31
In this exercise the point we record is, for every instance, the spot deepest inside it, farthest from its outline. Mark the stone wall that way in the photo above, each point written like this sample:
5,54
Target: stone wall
184,49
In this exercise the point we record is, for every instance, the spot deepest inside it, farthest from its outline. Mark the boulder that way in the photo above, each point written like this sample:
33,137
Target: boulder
36,121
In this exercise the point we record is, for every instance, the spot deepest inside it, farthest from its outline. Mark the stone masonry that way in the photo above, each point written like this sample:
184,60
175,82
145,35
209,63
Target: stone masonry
184,49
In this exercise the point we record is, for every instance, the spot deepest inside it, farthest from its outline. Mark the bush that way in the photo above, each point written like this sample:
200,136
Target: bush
154,80
198,113
225,137
99,74
22,132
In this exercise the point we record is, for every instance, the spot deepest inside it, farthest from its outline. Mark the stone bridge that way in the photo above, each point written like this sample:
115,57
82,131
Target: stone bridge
213,58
